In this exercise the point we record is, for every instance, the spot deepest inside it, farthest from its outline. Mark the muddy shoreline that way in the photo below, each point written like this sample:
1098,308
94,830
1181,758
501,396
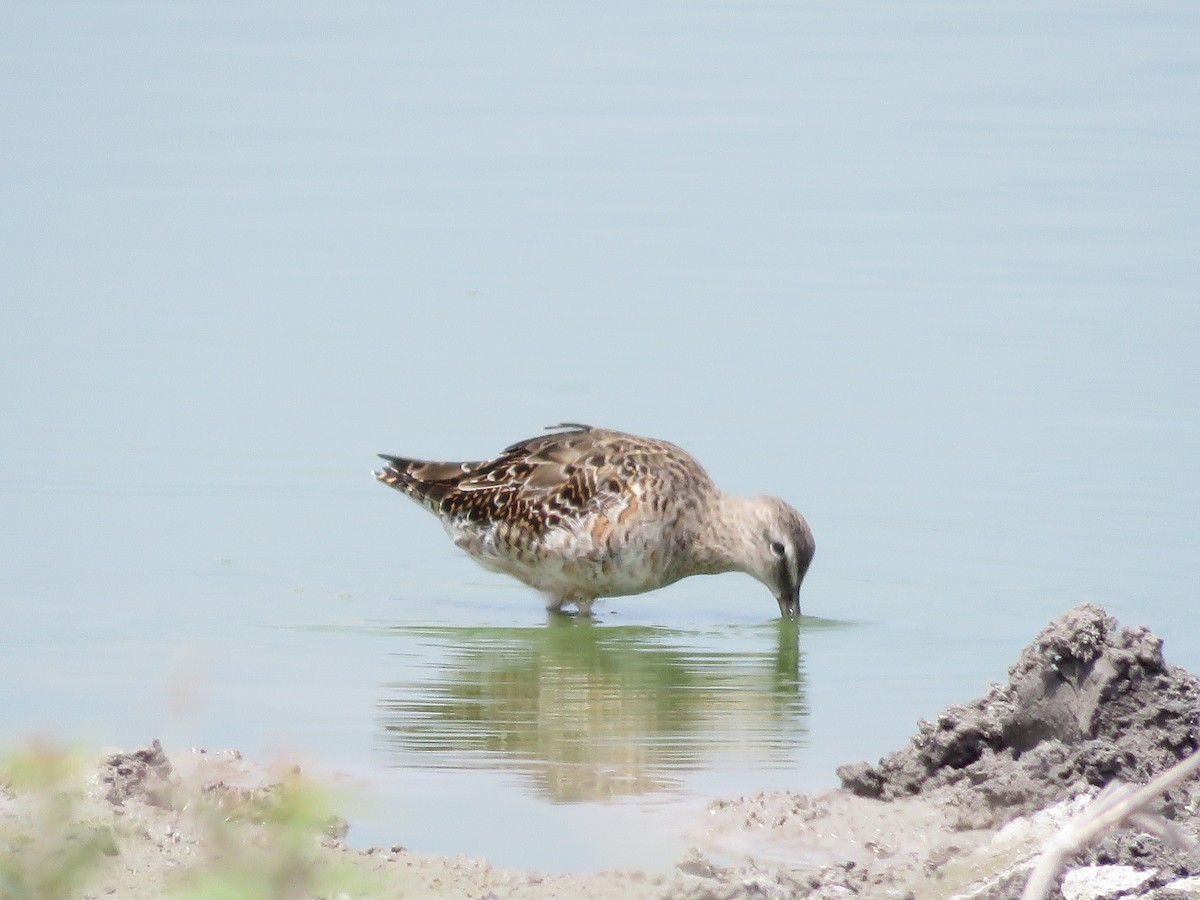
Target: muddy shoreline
962,811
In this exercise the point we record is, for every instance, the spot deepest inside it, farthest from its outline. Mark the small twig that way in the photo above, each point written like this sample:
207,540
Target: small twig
1117,803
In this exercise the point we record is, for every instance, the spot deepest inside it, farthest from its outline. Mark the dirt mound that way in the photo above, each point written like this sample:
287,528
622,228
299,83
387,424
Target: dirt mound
144,775
1086,701
966,808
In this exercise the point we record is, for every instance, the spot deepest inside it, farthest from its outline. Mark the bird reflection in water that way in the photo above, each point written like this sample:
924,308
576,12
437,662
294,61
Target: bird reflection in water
590,712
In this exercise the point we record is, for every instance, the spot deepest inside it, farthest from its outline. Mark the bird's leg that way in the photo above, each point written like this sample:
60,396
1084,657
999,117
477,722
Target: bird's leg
554,603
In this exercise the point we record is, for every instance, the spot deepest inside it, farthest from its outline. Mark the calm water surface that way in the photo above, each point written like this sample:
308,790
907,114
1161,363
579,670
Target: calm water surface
927,272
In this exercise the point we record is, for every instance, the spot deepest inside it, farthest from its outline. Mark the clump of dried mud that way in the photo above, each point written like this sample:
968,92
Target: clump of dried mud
144,775
1086,702
965,808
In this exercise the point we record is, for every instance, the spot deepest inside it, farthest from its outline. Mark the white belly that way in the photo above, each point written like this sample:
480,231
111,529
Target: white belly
568,564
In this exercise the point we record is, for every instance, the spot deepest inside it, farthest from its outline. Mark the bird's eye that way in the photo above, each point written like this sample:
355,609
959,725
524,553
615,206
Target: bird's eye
777,548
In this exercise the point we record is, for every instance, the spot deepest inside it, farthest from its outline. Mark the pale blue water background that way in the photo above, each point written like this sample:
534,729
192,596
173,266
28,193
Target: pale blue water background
927,271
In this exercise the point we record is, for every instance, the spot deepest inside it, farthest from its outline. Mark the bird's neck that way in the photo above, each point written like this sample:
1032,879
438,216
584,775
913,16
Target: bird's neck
722,544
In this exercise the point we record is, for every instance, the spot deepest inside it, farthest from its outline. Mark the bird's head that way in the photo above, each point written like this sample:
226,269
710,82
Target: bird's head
779,547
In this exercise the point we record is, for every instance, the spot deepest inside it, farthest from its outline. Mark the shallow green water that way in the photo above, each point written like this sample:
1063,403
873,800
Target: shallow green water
592,712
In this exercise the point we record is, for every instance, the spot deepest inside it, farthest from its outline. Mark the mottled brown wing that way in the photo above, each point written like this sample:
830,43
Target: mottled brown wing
537,482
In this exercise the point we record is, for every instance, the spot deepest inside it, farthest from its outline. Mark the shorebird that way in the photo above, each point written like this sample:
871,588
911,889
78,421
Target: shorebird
588,512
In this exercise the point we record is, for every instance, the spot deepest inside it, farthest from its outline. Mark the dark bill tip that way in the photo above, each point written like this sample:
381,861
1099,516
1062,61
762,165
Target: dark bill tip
789,604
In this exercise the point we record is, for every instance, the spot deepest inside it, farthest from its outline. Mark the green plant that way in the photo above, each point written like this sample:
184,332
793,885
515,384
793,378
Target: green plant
266,844
45,853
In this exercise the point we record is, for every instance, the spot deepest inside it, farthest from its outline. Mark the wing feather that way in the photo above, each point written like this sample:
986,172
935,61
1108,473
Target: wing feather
577,473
